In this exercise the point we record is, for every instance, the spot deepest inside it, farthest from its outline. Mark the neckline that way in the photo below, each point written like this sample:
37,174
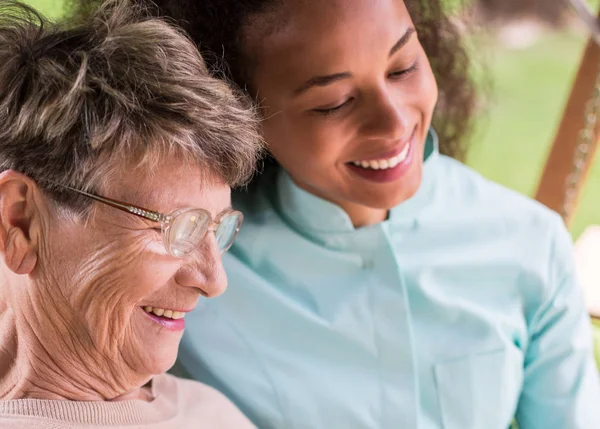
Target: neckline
127,412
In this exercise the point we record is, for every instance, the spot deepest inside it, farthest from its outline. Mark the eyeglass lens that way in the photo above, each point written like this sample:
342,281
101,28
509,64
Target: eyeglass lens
188,229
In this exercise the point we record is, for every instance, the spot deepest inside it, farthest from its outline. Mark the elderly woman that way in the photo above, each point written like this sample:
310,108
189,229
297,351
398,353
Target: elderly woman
117,153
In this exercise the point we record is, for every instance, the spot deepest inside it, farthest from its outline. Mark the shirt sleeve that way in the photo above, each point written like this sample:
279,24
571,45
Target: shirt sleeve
561,385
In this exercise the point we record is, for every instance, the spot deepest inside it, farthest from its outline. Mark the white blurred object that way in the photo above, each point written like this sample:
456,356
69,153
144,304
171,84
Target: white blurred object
587,259
519,35
587,16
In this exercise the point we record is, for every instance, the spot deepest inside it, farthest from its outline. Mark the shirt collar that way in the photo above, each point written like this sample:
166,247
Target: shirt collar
312,214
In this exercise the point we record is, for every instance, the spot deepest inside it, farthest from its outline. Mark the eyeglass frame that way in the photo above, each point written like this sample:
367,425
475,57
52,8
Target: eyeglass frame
164,219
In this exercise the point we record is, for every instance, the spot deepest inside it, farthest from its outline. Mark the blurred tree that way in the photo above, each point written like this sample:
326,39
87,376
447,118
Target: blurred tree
550,11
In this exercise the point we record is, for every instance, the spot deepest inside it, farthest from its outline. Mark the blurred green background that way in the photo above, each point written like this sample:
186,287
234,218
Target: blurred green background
51,8
529,90
531,72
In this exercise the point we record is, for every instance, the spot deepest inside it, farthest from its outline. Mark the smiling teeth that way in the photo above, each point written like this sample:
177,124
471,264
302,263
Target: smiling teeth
169,314
384,164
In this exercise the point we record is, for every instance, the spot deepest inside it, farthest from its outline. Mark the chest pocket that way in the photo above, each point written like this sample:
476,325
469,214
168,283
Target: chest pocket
479,390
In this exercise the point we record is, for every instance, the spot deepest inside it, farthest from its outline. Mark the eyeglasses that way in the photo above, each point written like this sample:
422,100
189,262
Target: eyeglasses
183,229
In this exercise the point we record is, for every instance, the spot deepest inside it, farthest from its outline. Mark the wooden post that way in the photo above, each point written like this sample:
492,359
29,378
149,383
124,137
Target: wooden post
551,188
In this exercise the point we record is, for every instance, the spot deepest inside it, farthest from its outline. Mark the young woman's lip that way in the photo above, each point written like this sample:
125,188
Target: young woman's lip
389,174
391,153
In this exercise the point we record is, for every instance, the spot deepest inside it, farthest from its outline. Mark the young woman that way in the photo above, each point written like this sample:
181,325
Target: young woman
378,283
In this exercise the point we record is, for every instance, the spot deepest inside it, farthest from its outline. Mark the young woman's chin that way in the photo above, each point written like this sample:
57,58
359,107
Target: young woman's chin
390,194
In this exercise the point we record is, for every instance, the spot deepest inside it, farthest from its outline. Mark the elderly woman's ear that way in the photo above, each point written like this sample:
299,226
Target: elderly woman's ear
19,220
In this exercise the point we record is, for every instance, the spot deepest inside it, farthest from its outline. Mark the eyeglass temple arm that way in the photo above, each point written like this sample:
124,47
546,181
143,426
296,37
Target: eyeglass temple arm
138,211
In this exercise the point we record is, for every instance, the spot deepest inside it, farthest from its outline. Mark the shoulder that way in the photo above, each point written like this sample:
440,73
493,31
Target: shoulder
468,186
505,231
466,192
485,221
20,422
202,403
189,390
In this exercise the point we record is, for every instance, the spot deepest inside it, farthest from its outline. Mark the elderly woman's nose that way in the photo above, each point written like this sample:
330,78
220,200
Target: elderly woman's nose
205,270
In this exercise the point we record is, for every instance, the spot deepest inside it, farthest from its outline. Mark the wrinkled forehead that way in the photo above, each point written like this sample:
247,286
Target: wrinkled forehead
170,184
311,36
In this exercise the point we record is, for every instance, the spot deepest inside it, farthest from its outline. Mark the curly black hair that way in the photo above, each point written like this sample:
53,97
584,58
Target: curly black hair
219,26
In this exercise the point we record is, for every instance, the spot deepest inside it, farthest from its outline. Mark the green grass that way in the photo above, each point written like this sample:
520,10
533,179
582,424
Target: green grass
530,88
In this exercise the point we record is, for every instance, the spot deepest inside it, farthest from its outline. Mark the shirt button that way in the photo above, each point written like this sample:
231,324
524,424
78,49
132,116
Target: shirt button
368,264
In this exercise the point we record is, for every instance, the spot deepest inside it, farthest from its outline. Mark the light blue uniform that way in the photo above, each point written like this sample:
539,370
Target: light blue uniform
461,311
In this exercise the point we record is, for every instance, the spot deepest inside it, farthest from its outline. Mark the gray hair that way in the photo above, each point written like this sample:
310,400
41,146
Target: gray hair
121,88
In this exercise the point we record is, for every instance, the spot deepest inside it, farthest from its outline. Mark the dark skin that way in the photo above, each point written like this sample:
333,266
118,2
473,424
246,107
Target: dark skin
343,81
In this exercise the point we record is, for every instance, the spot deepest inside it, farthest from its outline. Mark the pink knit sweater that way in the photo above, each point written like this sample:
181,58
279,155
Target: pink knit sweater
177,404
